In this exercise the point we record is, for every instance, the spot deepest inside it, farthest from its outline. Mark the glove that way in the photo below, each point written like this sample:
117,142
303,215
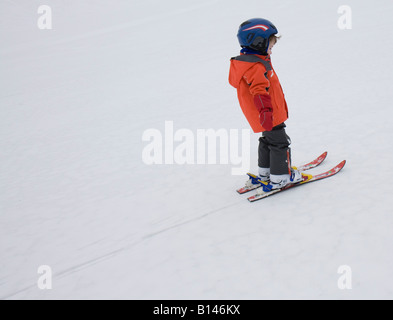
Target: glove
264,105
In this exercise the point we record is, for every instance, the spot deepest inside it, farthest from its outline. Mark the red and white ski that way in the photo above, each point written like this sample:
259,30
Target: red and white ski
253,183
306,179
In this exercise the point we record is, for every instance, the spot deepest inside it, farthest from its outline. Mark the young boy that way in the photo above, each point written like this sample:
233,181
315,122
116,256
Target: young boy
262,100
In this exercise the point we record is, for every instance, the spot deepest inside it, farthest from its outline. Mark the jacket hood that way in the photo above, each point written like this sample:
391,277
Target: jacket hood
238,68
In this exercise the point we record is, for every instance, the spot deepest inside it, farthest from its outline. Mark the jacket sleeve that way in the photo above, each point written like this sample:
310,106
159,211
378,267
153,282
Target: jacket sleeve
255,77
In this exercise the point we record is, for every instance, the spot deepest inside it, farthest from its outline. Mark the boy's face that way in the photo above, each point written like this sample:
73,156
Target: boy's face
271,45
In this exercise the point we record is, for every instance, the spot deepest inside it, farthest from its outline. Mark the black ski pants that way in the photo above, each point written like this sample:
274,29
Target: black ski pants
274,151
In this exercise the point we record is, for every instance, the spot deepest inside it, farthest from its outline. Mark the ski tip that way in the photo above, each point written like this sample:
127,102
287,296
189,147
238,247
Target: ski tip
340,165
323,156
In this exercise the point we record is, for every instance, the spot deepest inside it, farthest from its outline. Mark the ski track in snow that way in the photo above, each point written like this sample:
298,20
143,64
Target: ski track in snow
114,253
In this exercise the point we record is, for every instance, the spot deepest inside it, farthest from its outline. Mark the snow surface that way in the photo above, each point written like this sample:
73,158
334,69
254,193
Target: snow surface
77,195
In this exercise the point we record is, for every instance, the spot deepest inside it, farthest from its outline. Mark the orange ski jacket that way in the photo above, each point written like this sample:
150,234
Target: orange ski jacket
251,75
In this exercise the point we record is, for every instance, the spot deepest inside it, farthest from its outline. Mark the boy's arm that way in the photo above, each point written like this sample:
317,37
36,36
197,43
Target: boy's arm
259,86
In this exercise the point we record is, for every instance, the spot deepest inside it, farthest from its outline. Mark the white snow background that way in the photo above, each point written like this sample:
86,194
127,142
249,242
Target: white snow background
77,196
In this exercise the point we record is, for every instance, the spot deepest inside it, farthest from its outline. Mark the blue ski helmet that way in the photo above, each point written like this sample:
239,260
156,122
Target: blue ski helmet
255,33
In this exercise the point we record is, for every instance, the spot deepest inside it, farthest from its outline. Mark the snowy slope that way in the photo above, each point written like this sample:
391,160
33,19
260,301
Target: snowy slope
77,195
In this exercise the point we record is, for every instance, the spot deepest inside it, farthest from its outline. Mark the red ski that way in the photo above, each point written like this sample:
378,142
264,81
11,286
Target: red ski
306,179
